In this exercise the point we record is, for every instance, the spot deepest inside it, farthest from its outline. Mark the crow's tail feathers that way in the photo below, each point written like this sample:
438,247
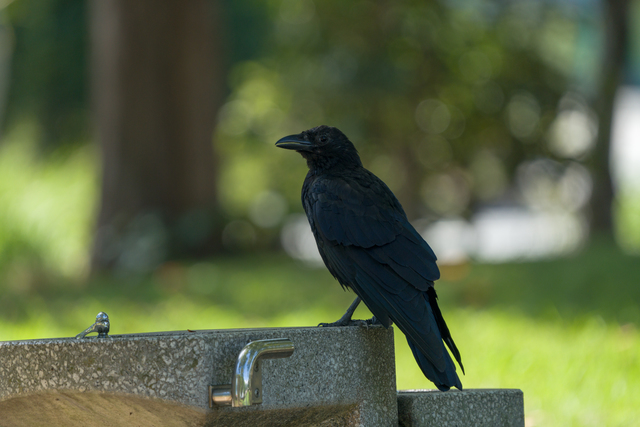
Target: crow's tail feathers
442,326
443,380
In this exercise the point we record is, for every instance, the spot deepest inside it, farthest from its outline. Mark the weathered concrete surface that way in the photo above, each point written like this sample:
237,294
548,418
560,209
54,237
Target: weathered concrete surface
336,377
474,407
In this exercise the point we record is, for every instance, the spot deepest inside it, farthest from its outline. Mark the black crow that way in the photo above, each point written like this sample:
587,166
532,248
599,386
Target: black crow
368,245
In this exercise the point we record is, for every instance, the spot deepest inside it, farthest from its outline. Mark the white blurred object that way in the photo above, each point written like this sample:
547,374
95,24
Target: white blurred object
573,132
508,234
625,138
298,241
504,234
549,185
451,239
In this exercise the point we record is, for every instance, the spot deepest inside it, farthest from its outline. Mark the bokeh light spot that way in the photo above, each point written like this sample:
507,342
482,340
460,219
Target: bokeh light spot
433,116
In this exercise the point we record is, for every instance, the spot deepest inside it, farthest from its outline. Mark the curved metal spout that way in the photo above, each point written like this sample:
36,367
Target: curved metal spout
246,382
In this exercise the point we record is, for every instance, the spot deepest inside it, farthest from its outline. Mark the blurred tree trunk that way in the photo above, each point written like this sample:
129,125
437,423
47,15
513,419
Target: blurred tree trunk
612,72
156,83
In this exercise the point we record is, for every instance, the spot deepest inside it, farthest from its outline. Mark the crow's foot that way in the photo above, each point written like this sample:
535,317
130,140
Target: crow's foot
351,322
346,322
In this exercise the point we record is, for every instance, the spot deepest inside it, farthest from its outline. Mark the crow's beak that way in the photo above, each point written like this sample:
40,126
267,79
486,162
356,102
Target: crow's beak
294,142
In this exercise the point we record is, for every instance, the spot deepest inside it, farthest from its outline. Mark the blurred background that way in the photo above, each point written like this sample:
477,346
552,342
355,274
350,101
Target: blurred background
139,176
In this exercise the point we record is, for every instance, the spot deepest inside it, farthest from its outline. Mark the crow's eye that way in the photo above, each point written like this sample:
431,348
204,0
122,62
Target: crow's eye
324,139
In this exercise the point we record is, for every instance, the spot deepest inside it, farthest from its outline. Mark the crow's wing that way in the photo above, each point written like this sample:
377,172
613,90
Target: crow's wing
360,211
368,244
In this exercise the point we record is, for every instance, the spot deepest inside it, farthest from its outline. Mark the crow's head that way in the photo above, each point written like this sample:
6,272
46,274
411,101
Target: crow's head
324,147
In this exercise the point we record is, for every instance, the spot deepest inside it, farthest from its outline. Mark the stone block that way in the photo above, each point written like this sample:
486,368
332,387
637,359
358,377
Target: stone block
335,377
473,407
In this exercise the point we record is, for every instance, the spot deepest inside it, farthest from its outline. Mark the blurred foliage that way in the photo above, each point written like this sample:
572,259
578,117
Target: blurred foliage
49,69
627,213
444,100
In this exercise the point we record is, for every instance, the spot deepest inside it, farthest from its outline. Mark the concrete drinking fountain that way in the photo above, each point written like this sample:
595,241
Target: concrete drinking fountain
244,377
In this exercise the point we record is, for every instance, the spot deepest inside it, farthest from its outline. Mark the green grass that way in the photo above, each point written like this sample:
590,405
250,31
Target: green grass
564,330
576,367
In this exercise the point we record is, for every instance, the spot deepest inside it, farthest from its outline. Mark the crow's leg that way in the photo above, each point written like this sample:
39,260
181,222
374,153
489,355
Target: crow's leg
345,320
